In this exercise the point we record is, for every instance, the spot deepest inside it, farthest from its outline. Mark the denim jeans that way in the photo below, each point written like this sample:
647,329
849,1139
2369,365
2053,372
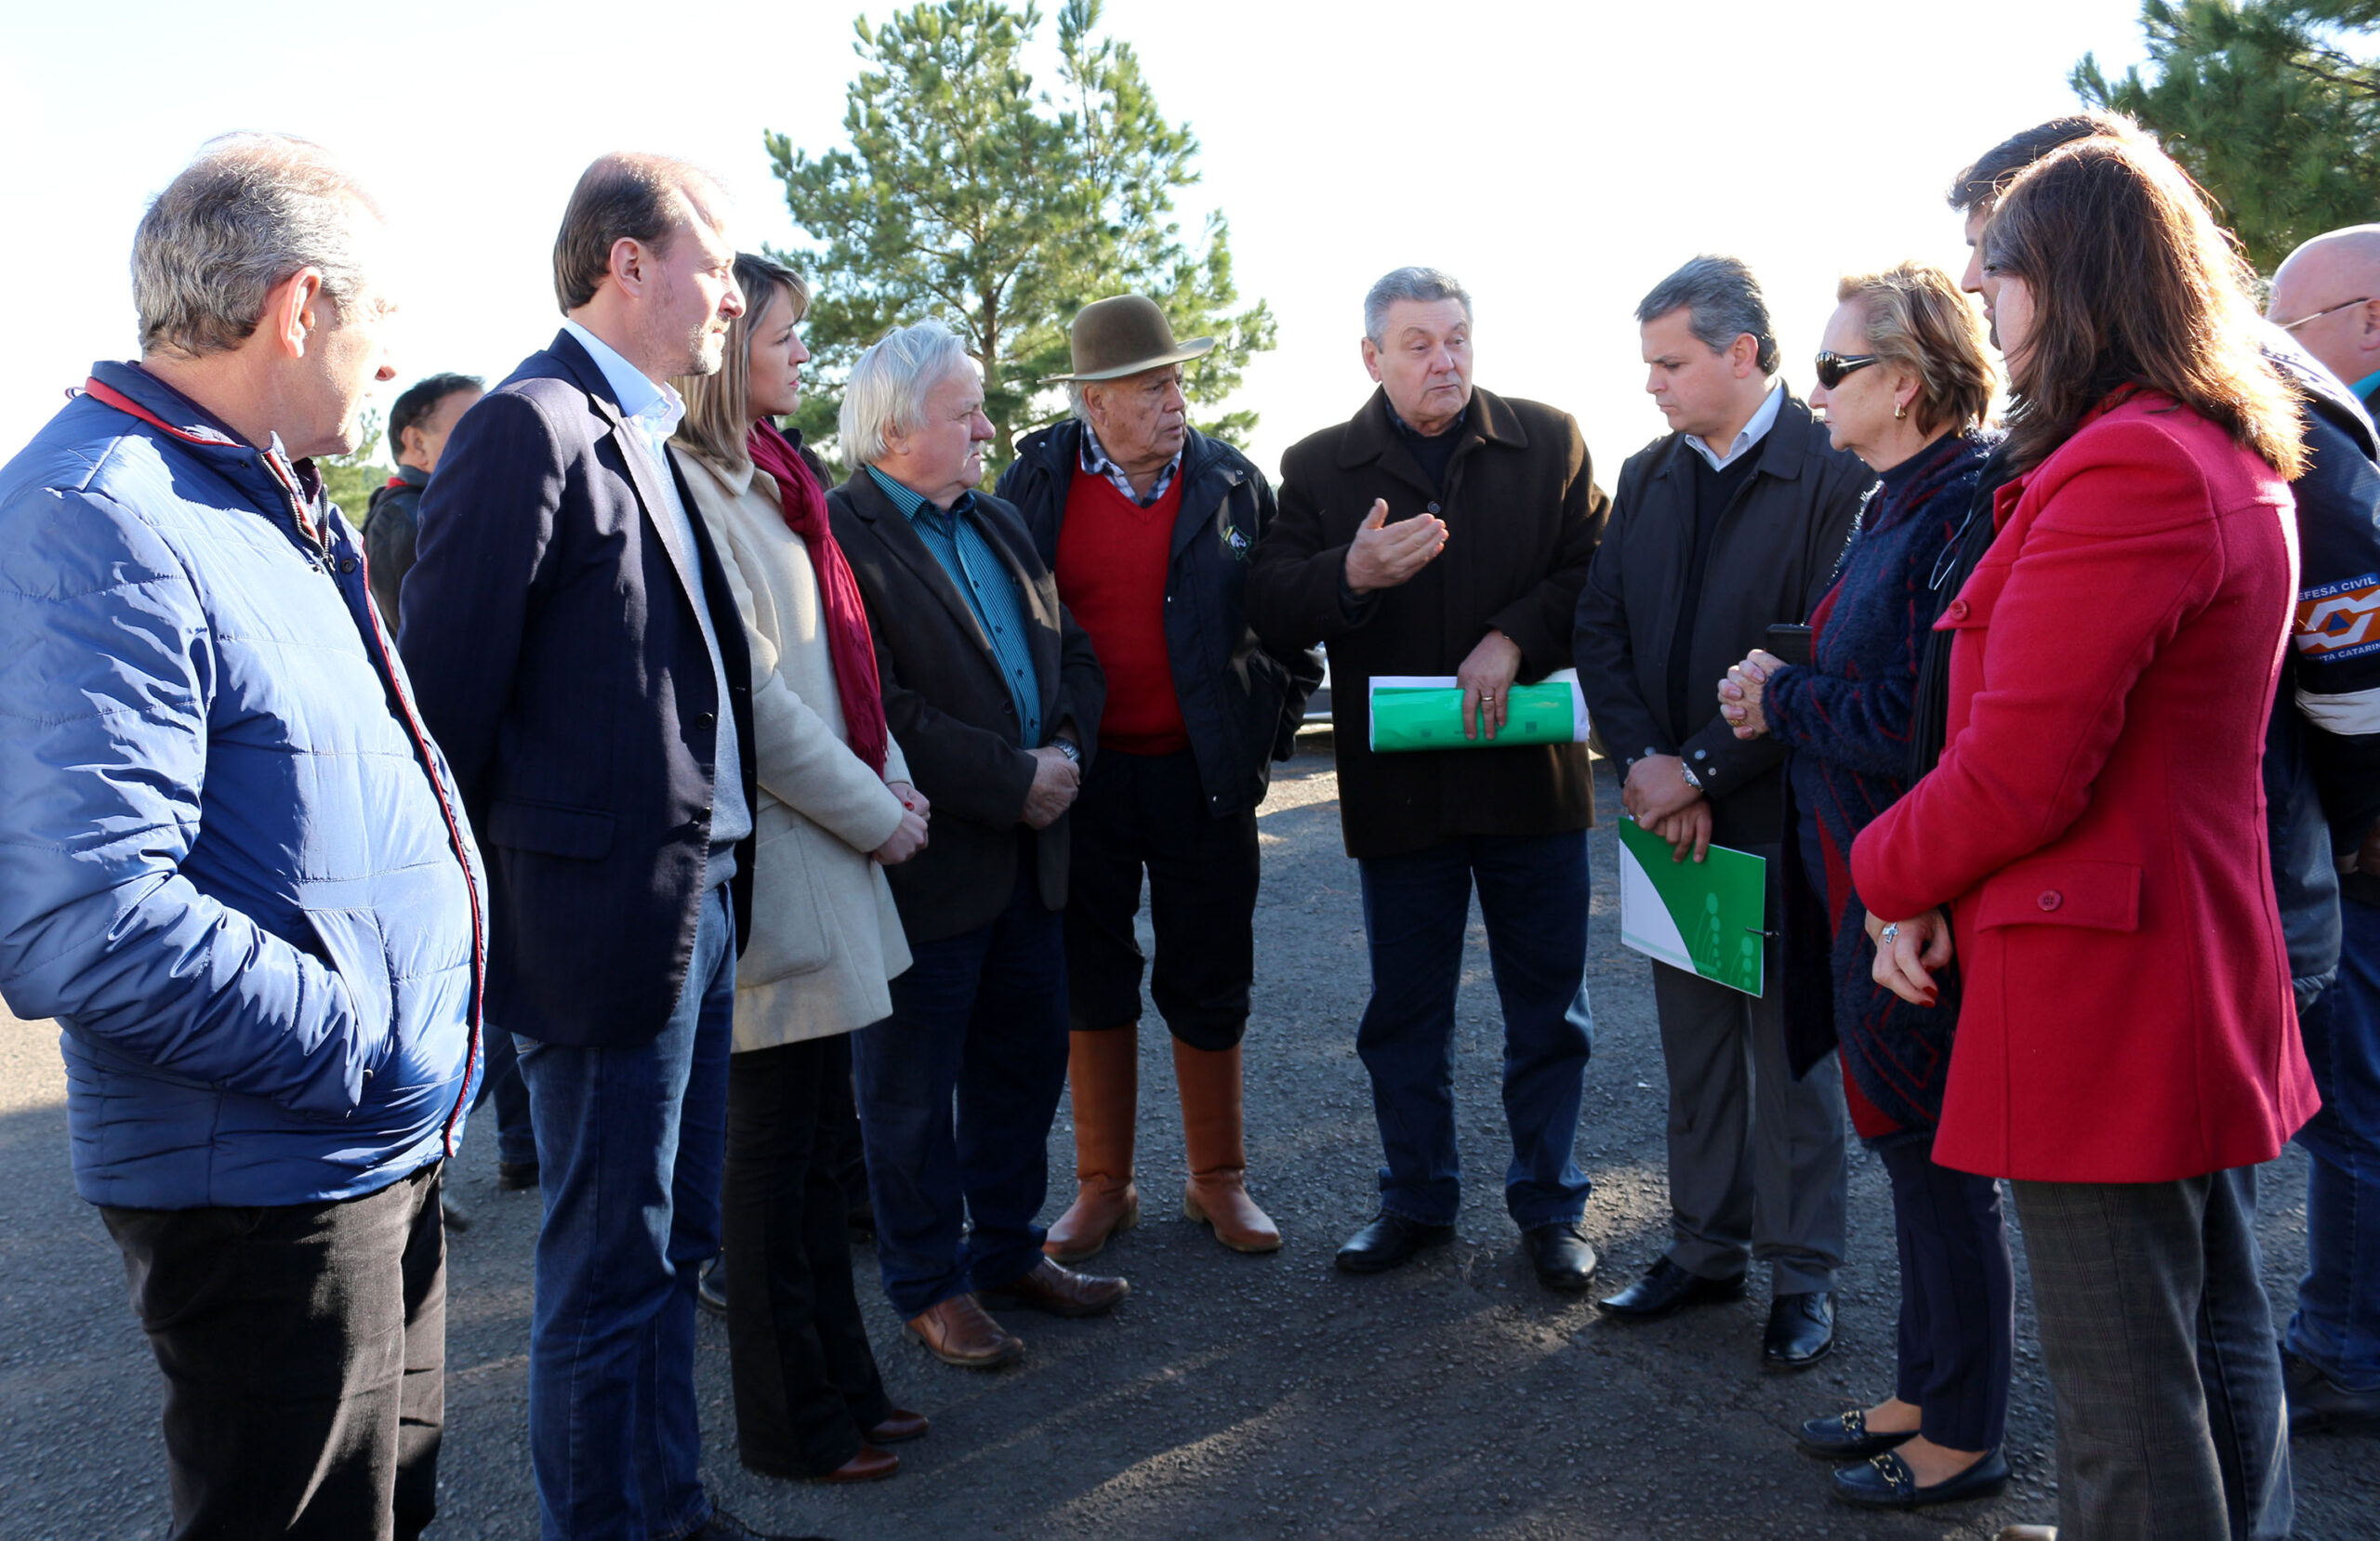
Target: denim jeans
1533,893
2337,1328
2159,1344
632,1142
956,1092
516,1138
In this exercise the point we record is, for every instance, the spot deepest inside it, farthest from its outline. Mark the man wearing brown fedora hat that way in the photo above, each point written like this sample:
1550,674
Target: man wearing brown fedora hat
1149,524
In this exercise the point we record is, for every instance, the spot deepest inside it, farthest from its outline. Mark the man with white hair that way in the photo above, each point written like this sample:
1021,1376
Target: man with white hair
993,691
232,867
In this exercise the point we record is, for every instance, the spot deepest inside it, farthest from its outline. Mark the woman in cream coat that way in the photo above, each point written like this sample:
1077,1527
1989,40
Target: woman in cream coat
826,938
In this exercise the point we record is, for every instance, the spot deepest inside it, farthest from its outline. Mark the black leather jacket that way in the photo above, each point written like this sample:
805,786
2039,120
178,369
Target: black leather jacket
1241,701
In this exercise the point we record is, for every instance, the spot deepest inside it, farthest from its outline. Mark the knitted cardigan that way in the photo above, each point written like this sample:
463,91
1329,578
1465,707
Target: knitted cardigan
1849,711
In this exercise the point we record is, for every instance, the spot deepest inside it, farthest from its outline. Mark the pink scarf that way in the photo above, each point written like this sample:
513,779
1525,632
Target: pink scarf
849,644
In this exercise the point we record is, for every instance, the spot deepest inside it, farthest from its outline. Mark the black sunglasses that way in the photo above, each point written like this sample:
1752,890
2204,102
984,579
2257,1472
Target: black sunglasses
1834,368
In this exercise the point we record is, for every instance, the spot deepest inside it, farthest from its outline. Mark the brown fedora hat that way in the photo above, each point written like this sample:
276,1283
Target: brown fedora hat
1114,337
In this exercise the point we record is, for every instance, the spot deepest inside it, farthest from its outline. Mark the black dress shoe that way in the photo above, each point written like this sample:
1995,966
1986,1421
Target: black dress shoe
515,1177
1846,1437
2317,1403
1666,1288
710,1292
1388,1241
723,1526
1561,1254
1801,1330
1886,1482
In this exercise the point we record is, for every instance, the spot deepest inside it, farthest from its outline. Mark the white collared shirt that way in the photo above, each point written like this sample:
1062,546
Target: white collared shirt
1753,431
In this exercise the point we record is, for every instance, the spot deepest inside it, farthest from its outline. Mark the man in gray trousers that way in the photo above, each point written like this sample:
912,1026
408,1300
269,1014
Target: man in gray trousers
1729,524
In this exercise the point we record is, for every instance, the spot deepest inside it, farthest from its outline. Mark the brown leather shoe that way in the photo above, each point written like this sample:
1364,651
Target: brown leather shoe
870,1465
1103,1068
959,1331
1217,1193
1059,1291
899,1428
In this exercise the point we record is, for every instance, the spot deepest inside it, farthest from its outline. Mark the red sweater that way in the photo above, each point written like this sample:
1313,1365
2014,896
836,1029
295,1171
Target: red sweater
1112,558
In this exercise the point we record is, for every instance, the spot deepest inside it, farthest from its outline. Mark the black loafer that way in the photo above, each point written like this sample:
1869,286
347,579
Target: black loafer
1886,1482
2316,1402
710,1291
515,1177
1846,1437
1801,1330
1561,1254
1388,1241
1666,1288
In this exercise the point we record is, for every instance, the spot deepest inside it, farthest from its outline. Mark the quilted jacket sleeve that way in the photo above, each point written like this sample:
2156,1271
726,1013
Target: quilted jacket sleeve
106,676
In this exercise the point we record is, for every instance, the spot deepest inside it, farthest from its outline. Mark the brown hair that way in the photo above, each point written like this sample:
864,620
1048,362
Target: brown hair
718,406
2132,285
622,197
1980,185
1919,320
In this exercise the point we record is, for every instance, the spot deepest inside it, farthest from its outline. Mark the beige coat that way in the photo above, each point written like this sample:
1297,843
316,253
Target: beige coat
824,934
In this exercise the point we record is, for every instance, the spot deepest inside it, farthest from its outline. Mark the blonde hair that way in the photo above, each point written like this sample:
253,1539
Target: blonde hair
719,406
1919,320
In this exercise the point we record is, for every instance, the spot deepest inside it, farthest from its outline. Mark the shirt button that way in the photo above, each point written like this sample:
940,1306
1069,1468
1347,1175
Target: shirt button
1703,753
2051,899
703,719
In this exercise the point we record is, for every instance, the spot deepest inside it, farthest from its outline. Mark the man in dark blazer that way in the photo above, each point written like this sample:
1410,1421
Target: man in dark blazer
1730,524
1446,531
577,652
992,693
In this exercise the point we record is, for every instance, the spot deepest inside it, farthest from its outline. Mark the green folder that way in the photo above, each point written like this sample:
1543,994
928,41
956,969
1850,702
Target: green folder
1419,711
1706,917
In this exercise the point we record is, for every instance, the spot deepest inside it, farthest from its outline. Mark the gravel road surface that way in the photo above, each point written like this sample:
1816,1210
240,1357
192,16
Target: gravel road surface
1229,1396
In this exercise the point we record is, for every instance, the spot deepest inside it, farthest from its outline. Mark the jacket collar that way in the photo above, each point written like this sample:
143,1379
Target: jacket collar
130,388
1781,452
166,408
1372,435
875,507
580,365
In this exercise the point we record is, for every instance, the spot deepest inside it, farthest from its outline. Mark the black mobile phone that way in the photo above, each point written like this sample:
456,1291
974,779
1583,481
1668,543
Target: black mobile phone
1791,643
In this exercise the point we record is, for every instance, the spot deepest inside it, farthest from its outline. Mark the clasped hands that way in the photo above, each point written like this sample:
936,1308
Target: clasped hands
1740,692
1056,781
909,837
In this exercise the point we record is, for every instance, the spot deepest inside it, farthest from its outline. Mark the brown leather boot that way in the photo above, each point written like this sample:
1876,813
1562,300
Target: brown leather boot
1105,1069
1217,1194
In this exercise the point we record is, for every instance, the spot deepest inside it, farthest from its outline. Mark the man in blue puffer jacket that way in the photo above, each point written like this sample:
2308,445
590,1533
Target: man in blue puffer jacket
229,864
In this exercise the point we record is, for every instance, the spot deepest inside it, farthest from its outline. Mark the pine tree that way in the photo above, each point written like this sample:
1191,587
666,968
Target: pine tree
2264,102
350,479
967,198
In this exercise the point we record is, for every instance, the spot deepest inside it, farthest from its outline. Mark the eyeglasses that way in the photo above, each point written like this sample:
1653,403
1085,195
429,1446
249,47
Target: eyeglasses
1834,368
2343,305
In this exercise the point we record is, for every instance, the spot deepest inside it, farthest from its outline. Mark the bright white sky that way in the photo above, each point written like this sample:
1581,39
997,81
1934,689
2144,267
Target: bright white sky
1558,158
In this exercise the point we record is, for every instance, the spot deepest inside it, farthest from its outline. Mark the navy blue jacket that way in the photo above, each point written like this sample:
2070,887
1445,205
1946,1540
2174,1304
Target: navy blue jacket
230,863
1241,702
553,643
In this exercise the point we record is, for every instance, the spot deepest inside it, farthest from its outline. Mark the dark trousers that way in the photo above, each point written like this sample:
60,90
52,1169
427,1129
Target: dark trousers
304,1351
1533,893
806,1385
2158,1343
1148,812
956,1092
2336,1326
1958,1300
516,1138
632,1141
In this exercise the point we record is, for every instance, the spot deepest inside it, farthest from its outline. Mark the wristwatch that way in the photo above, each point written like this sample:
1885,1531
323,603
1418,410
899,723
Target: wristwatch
1067,746
1691,778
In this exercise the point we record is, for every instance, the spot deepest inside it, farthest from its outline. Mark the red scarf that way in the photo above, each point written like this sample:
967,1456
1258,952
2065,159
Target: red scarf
850,645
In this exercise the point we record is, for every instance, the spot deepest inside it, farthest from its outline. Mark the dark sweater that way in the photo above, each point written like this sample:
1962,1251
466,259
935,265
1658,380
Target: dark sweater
1713,491
1845,719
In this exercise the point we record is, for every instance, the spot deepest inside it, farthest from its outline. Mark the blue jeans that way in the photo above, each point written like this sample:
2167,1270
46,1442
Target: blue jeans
632,1142
979,1022
1533,893
2337,1324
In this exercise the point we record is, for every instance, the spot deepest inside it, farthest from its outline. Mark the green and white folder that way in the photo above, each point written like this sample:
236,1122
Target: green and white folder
1705,917
1425,711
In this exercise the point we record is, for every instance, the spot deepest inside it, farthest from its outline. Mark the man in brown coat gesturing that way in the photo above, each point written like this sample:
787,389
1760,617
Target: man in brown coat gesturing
1442,531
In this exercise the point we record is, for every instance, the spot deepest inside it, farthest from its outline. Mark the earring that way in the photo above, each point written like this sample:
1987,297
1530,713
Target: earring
1901,411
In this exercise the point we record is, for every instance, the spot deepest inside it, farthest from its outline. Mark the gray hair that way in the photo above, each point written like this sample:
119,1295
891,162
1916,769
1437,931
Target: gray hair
887,388
1425,285
251,210
1724,302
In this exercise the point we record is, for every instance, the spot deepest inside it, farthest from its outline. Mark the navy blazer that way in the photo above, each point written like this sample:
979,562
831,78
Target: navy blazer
556,655
949,708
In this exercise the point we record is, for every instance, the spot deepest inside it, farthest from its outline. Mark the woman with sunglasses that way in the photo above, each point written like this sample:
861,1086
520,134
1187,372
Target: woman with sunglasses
1905,383
2127,1046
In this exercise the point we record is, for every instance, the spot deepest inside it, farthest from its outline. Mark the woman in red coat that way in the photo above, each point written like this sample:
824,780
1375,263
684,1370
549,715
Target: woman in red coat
2127,1046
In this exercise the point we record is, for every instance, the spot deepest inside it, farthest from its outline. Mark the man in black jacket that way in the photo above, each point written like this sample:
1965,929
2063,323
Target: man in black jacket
1149,525
419,422
578,653
1728,525
992,693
